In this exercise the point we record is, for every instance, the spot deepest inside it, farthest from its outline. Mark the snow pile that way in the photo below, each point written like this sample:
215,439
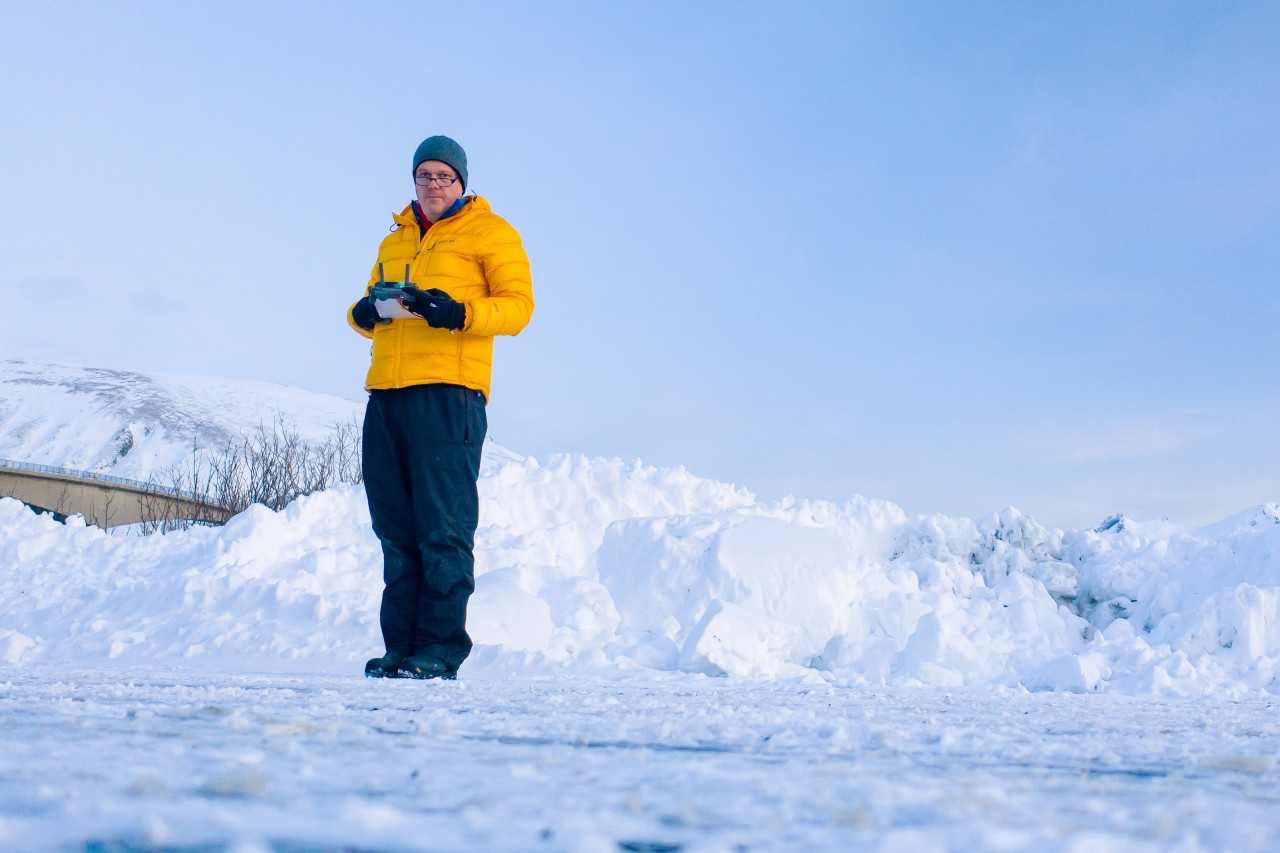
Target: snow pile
589,563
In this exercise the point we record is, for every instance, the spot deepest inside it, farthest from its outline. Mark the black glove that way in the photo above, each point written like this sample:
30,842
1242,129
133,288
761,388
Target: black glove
439,309
365,314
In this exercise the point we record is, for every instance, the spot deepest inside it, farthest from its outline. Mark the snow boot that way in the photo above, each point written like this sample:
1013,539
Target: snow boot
423,666
387,666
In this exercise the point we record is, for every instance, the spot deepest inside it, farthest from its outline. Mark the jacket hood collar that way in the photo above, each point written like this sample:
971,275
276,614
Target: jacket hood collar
474,204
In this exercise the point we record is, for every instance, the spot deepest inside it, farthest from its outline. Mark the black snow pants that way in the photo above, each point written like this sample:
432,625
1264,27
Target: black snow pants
421,459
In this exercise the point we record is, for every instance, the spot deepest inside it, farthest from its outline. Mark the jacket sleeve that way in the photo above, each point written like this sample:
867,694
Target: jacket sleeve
509,305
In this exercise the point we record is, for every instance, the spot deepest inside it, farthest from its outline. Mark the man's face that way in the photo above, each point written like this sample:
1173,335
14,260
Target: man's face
434,198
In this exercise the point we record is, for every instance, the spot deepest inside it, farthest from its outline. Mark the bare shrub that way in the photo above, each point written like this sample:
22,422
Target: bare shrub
271,465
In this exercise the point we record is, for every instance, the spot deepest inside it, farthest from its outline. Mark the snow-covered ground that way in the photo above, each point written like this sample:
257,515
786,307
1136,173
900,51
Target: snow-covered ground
663,662
96,758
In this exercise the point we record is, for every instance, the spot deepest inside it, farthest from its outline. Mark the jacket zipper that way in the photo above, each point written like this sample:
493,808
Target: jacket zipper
399,373
399,361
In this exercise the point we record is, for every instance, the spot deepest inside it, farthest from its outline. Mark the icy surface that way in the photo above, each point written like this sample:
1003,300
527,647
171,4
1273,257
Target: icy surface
156,760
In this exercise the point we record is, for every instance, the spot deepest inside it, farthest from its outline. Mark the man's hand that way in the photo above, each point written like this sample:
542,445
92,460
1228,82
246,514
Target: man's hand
439,309
365,314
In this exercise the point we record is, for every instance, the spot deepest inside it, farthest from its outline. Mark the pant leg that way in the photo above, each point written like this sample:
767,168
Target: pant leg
449,430
388,489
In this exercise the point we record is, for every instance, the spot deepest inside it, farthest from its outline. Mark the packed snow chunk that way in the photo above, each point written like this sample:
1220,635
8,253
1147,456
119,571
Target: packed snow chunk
736,570
500,613
235,784
1012,542
122,641
735,640
26,537
937,653
14,646
1244,620
563,507
1070,673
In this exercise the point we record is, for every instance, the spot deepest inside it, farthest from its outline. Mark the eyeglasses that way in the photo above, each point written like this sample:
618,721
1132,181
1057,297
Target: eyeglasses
428,180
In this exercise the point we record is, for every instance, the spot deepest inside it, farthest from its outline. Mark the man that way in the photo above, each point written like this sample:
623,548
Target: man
467,281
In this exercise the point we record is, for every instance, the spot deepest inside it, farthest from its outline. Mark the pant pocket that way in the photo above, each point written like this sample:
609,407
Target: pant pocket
477,421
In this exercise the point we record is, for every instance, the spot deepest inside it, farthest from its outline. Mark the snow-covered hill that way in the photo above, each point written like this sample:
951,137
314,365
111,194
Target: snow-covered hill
132,424
594,563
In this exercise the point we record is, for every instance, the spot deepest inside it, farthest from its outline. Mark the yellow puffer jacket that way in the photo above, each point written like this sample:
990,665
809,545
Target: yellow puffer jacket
477,258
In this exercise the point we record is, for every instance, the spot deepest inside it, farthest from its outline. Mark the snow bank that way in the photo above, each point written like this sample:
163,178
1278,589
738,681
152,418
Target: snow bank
589,563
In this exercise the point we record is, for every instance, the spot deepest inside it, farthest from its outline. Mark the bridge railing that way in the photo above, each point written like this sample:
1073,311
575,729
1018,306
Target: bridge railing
152,488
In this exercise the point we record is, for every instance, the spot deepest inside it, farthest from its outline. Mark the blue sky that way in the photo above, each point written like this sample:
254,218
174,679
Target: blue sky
958,256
